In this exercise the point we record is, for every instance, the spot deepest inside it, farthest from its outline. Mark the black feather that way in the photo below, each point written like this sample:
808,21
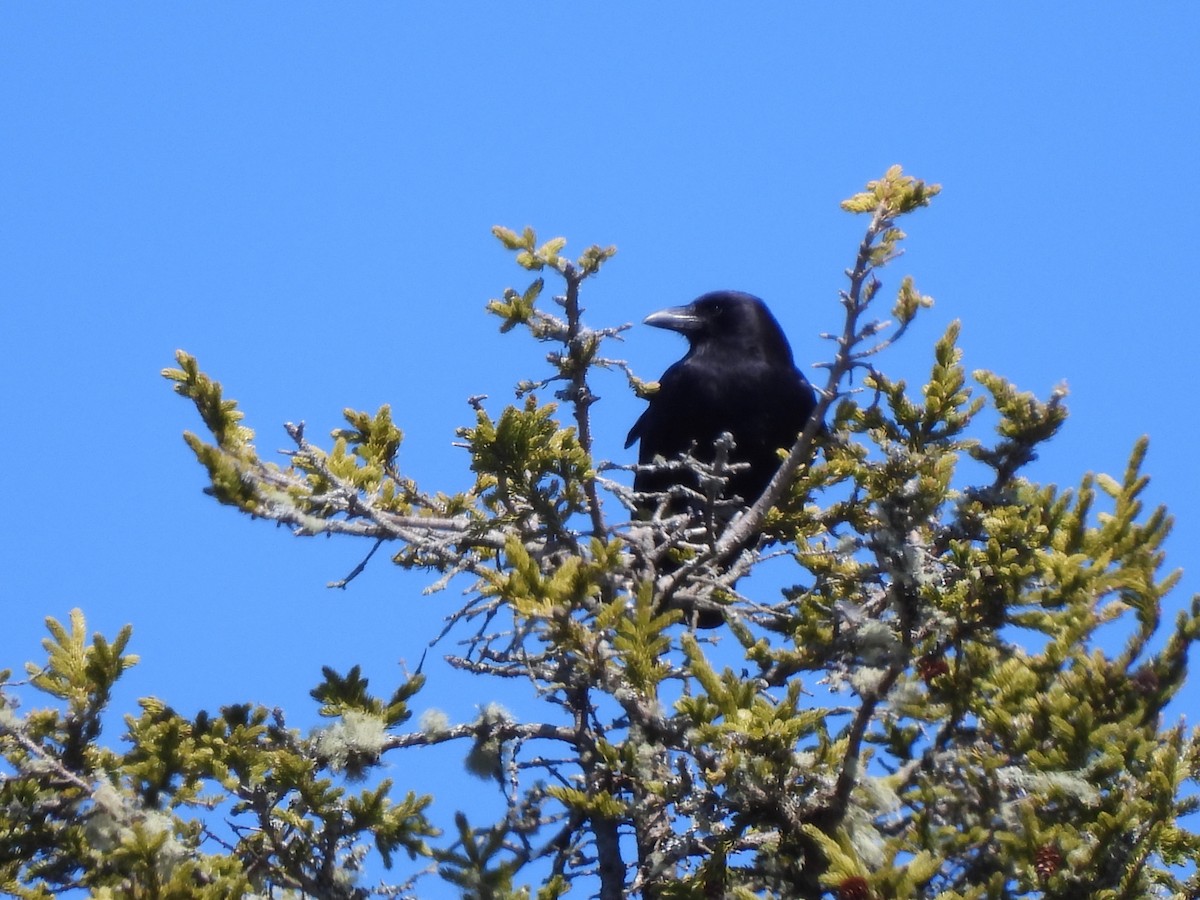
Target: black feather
738,376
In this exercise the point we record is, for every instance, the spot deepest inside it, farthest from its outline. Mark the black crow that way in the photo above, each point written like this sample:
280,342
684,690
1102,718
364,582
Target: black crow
738,377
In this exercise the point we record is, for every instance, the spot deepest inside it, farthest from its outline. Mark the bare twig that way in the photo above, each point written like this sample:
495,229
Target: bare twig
580,393
357,570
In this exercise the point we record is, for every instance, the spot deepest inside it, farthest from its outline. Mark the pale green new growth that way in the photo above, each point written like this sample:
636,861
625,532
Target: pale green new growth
929,709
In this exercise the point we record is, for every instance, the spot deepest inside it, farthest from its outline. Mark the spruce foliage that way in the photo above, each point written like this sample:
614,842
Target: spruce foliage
927,710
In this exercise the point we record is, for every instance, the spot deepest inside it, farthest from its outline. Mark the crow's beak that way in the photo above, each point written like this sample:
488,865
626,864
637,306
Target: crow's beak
678,318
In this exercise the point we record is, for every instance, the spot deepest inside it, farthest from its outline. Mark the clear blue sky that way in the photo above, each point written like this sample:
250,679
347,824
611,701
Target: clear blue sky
301,195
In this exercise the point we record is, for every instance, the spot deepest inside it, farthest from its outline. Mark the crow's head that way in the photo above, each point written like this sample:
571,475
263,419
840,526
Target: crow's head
727,322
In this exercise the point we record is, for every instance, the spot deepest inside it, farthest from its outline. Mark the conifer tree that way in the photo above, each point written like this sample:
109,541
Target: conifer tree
926,710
